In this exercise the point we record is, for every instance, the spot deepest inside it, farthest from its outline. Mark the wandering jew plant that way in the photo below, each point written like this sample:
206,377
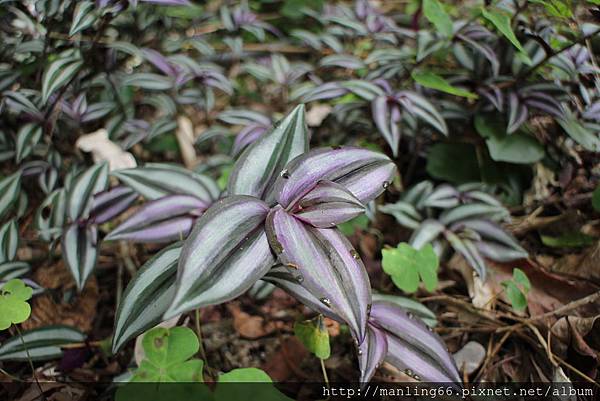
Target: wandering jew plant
466,217
277,222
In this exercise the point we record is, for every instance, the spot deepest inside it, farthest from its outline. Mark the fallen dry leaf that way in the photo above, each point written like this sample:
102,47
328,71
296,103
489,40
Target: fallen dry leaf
284,364
103,149
79,312
249,326
186,138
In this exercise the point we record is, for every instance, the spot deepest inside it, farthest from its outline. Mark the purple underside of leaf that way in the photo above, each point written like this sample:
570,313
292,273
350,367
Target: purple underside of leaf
412,347
326,265
366,174
372,352
247,136
109,204
326,205
165,219
224,255
386,118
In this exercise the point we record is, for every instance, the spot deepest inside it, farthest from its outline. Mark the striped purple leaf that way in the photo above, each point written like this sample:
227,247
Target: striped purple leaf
167,219
366,174
325,264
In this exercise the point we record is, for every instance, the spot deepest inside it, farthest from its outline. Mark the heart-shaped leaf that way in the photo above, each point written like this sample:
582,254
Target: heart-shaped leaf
14,308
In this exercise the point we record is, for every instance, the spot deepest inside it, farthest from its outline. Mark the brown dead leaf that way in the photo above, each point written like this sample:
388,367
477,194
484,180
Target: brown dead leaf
283,364
50,308
249,326
577,340
585,264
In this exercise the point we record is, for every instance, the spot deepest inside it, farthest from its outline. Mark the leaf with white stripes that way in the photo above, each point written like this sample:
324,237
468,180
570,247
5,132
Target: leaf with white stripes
29,135
59,73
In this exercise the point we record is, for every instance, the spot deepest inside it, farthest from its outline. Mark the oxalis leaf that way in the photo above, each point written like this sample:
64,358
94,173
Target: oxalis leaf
225,254
14,308
167,356
261,163
147,296
325,264
314,335
406,264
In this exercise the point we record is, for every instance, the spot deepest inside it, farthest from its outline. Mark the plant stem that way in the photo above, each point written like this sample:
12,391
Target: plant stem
324,372
30,363
199,334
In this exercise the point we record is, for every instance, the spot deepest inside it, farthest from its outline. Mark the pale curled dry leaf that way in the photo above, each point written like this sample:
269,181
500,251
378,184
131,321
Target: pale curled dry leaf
186,138
103,149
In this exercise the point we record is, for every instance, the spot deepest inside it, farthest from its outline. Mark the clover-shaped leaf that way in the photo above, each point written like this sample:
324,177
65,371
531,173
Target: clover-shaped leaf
13,303
167,356
406,264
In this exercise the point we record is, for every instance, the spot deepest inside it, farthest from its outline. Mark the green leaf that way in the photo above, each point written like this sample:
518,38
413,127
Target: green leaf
514,148
517,299
358,223
521,279
13,306
435,13
441,162
580,134
405,265
568,240
293,8
431,80
231,386
166,356
596,199
314,335
502,22
245,375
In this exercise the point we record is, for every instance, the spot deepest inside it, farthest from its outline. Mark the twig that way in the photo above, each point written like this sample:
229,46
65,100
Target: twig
30,362
199,334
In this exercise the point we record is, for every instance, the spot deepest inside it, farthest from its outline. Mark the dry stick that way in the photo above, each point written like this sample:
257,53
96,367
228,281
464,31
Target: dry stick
563,309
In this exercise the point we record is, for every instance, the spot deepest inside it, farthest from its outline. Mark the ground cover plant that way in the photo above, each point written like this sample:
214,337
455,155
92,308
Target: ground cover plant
288,192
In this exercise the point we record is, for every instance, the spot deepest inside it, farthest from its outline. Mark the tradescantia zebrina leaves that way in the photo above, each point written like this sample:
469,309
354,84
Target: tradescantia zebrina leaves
225,254
282,210
407,343
147,296
261,163
325,264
